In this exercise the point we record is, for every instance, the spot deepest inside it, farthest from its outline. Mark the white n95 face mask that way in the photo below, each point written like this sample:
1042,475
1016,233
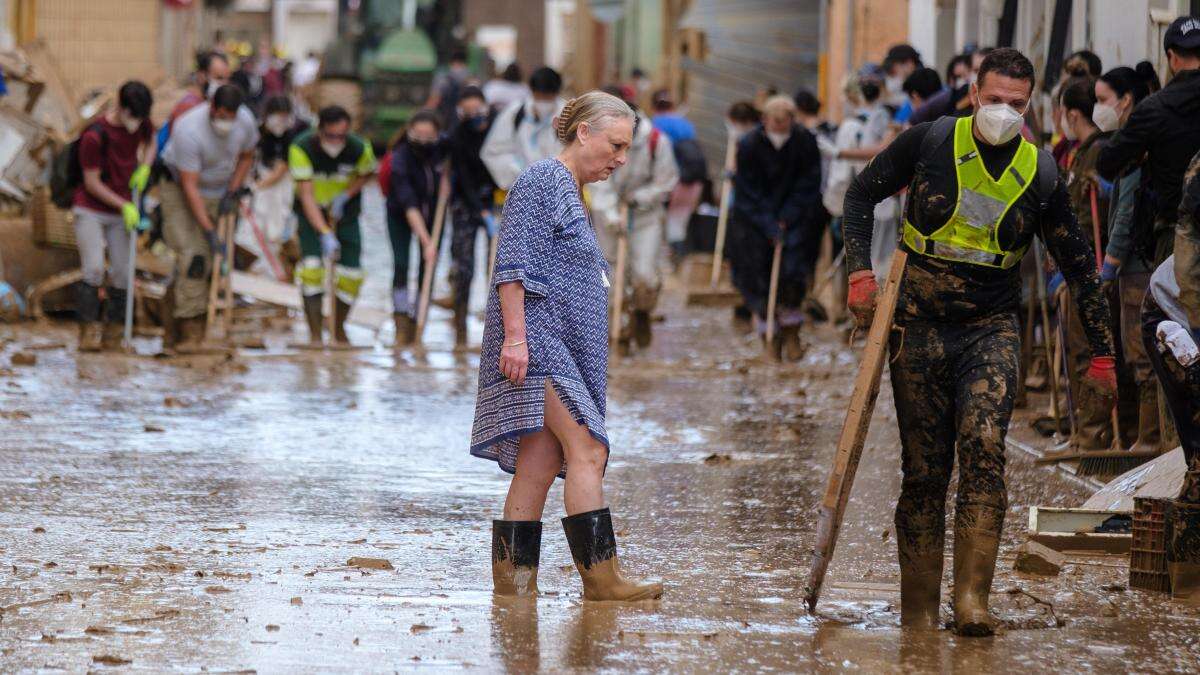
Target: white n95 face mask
222,127
999,123
1105,116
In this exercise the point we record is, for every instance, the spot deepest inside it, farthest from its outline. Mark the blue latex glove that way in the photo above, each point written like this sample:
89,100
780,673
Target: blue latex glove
489,222
330,246
337,208
1108,272
1105,187
1055,281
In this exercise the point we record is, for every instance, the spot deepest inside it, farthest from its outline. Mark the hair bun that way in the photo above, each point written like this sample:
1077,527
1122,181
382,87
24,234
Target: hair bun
562,122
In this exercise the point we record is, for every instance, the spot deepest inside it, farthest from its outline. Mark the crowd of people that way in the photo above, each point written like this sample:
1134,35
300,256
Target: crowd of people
953,168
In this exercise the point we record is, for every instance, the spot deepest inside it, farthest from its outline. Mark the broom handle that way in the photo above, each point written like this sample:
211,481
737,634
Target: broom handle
1051,352
1116,422
439,219
773,292
723,214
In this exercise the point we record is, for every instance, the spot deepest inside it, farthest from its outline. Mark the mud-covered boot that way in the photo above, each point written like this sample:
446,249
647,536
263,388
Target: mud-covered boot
1183,551
460,325
516,551
406,329
114,326
341,312
974,564
1148,436
91,332
921,557
192,333
314,317
642,329
792,347
594,549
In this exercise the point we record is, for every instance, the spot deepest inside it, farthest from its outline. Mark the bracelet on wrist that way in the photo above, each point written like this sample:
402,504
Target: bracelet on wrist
518,343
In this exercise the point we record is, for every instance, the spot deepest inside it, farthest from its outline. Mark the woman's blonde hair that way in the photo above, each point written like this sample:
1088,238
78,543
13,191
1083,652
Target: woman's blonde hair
596,108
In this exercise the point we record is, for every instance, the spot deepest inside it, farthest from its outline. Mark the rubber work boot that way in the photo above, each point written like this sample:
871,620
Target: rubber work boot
192,331
91,332
1183,551
1094,412
1148,436
406,329
792,347
594,549
920,577
516,551
114,336
114,328
341,311
642,333
460,326
974,564
314,318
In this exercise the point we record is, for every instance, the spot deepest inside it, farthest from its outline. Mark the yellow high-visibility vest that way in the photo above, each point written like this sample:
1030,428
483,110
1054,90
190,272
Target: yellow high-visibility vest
970,234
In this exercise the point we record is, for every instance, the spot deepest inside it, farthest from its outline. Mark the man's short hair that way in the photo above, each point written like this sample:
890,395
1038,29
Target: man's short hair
332,114
228,97
902,53
205,58
471,91
545,80
924,82
135,97
1008,62
806,101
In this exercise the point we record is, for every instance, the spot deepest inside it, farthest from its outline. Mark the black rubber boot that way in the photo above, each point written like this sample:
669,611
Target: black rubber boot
516,552
642,330
114,326
594,549
342,310
312,314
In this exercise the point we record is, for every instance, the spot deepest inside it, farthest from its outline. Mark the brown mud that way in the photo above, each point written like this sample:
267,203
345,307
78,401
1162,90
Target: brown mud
252,531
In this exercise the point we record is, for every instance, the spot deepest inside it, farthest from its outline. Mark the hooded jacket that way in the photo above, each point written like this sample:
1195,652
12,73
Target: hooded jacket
1165,125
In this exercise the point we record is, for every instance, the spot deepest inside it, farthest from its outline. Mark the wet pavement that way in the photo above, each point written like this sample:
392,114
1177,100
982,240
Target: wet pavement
199,514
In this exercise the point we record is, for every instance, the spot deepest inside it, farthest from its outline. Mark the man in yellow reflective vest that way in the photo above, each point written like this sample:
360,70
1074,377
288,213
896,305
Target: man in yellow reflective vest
330,166
978,194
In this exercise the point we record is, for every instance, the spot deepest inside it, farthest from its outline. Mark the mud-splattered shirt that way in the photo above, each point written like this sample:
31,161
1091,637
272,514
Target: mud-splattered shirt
941,290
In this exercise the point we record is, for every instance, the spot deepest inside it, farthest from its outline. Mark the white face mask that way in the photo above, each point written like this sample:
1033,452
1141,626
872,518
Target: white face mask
998,123
222,127
1105,116
278,124
212,89
544,109
777,139
332,149
131,123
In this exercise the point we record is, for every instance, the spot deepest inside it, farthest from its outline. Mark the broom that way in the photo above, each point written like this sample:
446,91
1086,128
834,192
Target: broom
1107,463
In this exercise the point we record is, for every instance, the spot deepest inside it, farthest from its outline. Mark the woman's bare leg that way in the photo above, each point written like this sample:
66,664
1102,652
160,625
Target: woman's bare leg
538,462
585,456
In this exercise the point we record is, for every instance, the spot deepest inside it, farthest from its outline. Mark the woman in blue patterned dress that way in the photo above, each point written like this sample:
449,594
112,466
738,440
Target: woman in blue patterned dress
543,369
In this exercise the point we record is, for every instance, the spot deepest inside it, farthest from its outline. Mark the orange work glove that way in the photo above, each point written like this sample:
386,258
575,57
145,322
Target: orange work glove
861,298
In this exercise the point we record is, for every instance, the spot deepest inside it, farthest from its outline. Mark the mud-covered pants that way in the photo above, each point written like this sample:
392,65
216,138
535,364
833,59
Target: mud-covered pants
193,255
954,385
462,250
1181,387
348,273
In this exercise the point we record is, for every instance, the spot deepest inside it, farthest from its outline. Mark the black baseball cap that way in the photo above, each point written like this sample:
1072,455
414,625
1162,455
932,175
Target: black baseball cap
1183,33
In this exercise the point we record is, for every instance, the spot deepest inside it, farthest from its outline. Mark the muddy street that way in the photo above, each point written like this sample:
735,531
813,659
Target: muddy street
295,512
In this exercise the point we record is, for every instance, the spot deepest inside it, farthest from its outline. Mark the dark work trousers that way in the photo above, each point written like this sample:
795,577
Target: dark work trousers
751,255
462,250
954,386
404,294
1182,388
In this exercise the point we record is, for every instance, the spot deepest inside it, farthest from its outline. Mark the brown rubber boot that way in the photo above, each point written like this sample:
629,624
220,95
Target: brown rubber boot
1183,551
1094,414
516,551
92,337
792,347
460,326
594,549
920,577
114,337
1148,437
341,311
314,317
192,332
406,329
974,564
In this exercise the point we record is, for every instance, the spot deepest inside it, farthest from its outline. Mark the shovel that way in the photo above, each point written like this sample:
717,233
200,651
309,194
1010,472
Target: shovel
133,237
439,218
773,292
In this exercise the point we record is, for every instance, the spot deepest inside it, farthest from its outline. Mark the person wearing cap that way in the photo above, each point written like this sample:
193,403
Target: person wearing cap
978,195
1164,128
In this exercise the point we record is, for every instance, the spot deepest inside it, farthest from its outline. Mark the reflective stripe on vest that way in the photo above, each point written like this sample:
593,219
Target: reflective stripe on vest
970,234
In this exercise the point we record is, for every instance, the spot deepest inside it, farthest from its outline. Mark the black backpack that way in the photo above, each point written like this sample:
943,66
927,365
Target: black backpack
66,173
689,157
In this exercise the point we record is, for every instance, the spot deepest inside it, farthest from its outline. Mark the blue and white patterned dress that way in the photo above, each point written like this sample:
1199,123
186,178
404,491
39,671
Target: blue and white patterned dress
546,243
